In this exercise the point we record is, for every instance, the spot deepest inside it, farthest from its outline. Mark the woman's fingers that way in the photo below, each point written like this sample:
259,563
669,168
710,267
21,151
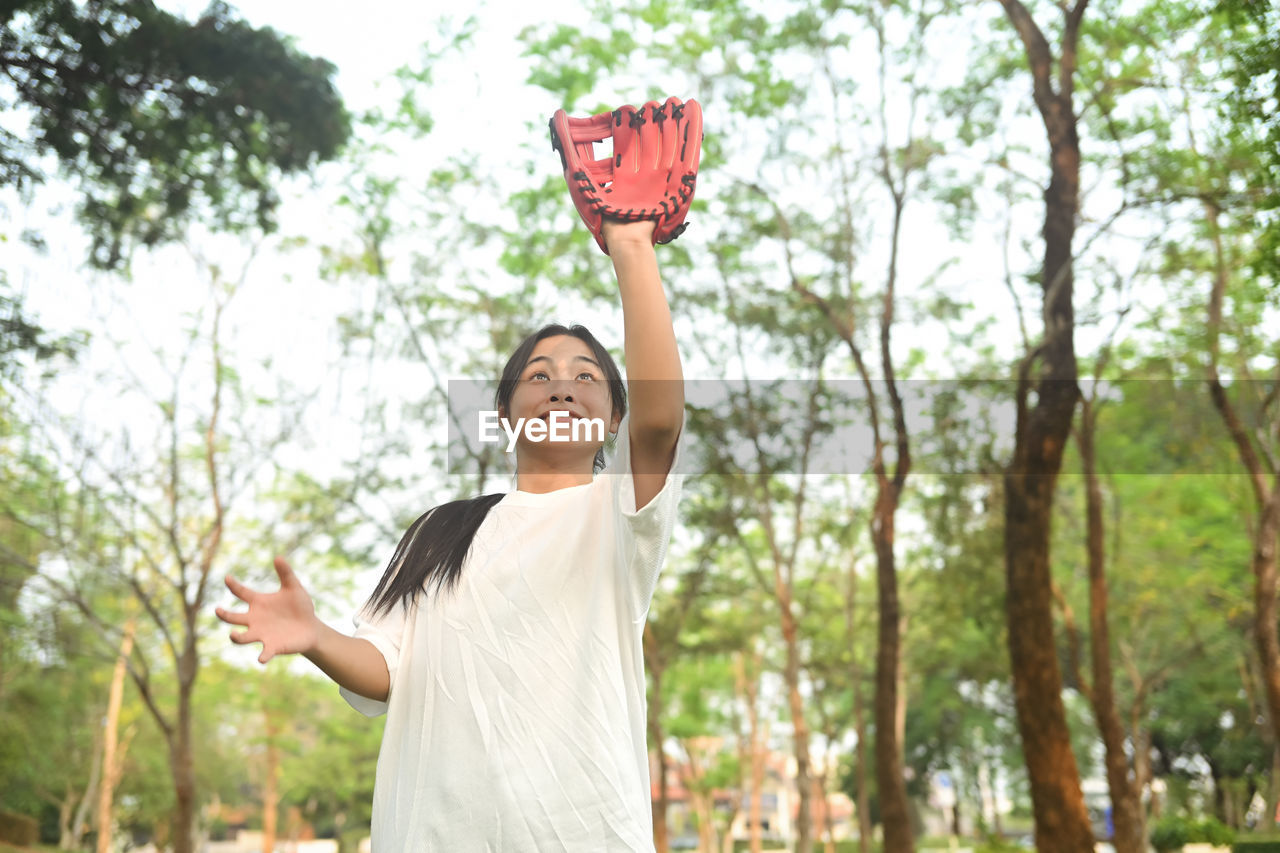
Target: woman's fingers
240,591
232,617
285,573
242,637
250,636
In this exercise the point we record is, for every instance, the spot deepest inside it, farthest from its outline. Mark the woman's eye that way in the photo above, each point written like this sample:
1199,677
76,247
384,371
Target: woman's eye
542,374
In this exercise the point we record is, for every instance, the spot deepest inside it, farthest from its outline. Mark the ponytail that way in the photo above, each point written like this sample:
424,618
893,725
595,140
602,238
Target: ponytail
430,555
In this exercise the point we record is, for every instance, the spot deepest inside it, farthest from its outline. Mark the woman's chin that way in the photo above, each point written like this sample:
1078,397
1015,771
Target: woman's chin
559,451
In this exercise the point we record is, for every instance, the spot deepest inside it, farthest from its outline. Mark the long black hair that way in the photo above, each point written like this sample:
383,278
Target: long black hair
430,555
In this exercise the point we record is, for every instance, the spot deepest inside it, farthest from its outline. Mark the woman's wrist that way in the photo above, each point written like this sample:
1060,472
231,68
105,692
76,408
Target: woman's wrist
321,634
622,234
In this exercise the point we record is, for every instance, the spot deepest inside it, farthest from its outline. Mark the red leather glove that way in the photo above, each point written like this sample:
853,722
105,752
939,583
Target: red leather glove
653,170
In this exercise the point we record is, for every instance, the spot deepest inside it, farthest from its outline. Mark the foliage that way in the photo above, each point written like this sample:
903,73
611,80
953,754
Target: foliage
1249,844
1251,107
1173,832
20,335
161,121
792,194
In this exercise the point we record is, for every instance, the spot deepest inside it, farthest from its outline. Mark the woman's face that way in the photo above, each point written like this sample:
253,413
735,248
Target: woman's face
562,375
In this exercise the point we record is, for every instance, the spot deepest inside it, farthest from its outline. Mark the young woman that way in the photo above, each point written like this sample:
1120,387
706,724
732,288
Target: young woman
504,640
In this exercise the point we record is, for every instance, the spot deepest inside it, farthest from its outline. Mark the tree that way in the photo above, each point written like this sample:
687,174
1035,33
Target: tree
1126,792
113,749
963,723
20,336
692,618
1212,172
774,233
161,121
839,643
1256,448
52,700
1041,431
1254,67
1171,542
152,524
327,765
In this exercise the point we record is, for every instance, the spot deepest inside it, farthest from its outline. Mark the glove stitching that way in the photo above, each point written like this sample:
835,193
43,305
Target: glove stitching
667,210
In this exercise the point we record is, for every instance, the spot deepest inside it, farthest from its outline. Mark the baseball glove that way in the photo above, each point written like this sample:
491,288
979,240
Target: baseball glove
651,174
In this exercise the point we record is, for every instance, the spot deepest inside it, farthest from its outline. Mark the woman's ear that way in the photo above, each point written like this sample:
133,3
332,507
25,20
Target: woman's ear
613,424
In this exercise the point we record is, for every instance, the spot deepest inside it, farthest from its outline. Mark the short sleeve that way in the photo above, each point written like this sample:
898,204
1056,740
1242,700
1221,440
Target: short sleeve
385,631
643,535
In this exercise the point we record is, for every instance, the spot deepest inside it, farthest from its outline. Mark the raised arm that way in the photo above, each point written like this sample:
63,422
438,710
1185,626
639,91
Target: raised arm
285,622
655,381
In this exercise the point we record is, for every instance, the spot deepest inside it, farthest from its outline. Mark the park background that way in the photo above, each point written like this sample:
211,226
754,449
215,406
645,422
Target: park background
239,266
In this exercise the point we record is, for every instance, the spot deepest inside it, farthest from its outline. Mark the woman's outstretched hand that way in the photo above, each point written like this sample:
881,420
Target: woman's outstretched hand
284,622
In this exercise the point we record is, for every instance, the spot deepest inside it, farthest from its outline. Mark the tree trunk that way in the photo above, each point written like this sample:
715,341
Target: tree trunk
800,727
755,753
1273,794
271,785
865,829
71,836
1126,805
1142,777
656,737
182,763
862,791
1042,427
66,807
986,803
894,811
1062,823
890,700
795,702
1264,596
112,757
1266,495
828,825
726,842
699,794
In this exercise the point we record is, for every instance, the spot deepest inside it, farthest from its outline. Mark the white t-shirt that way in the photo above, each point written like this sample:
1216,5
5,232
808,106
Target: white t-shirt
516,716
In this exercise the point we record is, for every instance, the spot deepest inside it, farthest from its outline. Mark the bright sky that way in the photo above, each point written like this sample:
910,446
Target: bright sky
383,35
282,313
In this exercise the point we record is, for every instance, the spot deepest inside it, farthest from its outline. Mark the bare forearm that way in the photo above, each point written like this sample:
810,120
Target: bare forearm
353,663
654,374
